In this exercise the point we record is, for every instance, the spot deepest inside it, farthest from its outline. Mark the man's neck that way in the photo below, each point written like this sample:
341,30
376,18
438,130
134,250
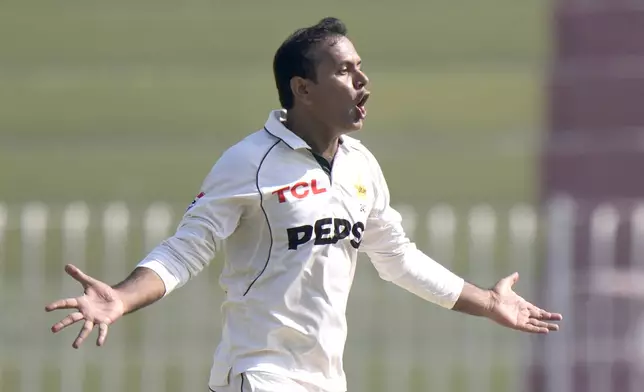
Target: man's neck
322,140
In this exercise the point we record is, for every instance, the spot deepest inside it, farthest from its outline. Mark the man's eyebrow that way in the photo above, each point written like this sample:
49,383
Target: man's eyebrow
350,62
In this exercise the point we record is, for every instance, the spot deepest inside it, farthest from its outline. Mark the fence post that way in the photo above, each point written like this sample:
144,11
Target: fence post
523,227
34,221
441,231
603,235
636,374
157,221
116,219
75,222
559,284
482,222
3,228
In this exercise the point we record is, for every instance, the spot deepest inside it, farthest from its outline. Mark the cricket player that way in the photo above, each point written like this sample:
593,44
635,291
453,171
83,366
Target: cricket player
294,203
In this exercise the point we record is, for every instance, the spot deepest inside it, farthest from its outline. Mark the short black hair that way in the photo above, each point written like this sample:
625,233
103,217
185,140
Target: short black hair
293,58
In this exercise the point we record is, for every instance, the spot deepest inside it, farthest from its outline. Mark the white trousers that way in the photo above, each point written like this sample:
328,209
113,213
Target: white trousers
264,382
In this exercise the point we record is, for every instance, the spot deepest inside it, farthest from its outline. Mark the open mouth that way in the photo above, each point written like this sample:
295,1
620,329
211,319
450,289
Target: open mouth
362,110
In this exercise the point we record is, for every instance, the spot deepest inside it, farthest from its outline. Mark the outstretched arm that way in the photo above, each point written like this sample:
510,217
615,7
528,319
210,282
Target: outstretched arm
399,261
211,218
503,306
101,305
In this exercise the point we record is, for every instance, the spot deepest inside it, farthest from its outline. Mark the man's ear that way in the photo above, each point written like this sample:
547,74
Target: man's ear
301,89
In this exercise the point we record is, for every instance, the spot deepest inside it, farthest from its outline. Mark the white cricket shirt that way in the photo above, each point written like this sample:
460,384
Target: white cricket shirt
292,232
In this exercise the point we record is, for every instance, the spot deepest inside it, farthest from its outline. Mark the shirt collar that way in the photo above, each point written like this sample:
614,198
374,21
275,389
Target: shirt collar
275,126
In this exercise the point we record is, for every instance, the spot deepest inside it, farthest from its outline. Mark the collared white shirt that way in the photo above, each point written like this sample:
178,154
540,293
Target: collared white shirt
293,231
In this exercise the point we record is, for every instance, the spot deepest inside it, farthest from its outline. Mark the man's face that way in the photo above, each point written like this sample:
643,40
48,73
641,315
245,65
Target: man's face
339,96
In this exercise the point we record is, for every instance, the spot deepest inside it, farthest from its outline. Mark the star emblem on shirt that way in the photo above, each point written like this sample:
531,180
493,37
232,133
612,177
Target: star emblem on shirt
361,190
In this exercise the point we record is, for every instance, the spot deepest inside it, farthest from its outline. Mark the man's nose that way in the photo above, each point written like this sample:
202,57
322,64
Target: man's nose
361,80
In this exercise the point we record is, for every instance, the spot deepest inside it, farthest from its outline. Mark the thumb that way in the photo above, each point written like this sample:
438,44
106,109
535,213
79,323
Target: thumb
507,282
79,275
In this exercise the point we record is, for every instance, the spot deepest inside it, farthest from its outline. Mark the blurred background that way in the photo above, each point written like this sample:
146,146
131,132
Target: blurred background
510,133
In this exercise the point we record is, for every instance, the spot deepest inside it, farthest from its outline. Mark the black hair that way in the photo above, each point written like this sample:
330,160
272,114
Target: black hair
294,57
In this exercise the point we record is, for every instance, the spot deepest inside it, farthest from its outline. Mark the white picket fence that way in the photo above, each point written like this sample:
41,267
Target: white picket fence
397,342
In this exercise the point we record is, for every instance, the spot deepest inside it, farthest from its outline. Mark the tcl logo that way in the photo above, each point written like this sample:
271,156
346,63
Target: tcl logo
326,231
298,190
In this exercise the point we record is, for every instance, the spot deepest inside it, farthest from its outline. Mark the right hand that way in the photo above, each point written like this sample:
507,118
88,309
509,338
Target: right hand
99,305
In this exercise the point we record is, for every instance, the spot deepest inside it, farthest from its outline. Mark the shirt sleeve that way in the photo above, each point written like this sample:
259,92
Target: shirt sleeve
398,260
226,194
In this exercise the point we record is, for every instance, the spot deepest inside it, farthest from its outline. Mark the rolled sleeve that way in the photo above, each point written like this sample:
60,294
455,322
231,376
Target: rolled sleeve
170,279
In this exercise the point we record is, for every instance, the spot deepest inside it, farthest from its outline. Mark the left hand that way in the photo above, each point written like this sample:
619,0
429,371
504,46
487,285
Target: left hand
510,310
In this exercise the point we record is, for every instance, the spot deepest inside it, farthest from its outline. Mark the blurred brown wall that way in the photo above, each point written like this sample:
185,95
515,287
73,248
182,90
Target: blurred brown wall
594,152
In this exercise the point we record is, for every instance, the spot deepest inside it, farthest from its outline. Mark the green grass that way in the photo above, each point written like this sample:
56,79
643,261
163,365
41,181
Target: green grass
135,100
223,34
116,101
130,142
